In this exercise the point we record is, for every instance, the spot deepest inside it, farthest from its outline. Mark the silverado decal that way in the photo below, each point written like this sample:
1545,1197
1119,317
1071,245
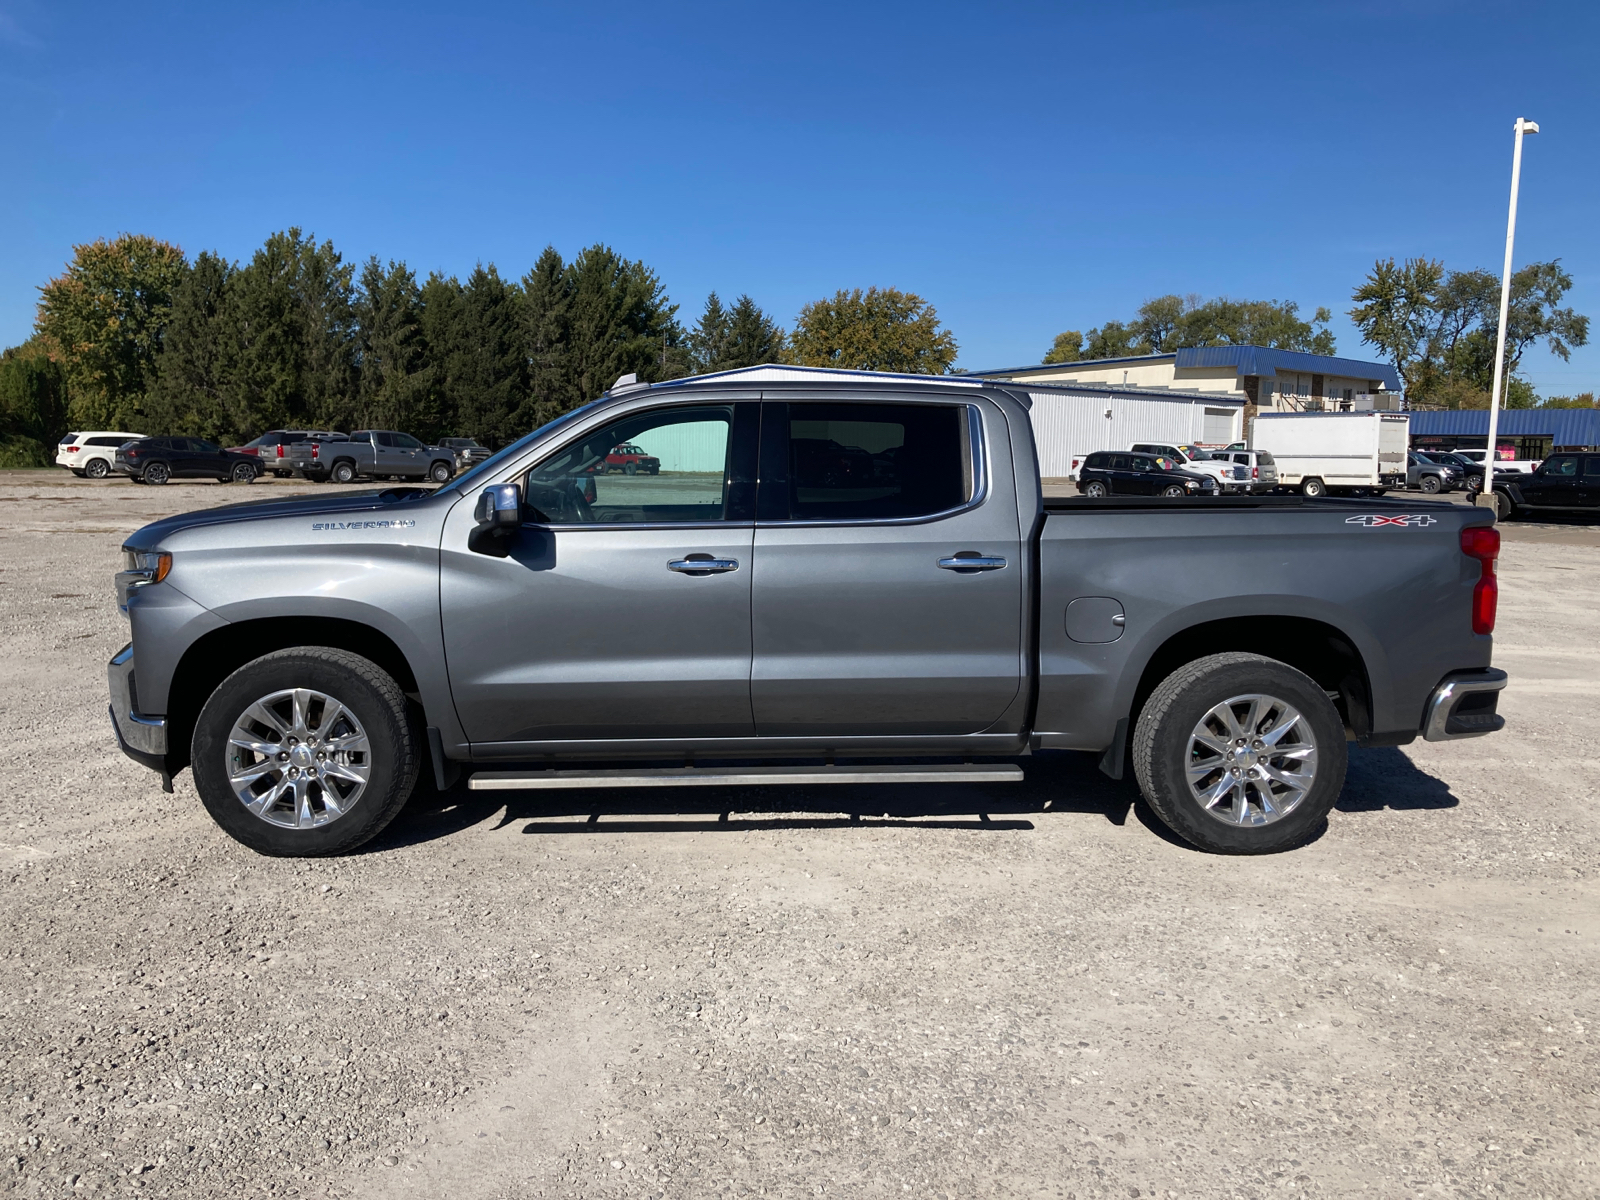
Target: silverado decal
353,526
1372,520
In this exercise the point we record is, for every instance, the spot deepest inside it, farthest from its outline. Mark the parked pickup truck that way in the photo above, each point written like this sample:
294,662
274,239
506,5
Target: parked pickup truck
930,617
371,454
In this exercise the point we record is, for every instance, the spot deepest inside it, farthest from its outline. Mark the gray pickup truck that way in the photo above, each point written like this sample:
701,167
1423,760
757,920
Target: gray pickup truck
371,454
833,579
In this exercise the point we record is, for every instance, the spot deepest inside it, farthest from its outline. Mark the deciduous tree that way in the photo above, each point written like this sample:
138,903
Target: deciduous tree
881,329
103,320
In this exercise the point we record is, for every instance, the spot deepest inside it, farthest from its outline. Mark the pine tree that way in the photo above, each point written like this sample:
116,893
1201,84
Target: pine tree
547,331
708,340
189,394
395,390
481,353
620,322
753,337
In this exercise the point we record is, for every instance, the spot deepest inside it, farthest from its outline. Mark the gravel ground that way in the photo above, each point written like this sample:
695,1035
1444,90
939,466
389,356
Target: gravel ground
954,992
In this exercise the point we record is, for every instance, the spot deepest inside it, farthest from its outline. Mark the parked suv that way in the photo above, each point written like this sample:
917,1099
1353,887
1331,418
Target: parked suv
1260,473
1471,472
1429,477
93,454
466,450
630,460
158,459
1108,473
1201,462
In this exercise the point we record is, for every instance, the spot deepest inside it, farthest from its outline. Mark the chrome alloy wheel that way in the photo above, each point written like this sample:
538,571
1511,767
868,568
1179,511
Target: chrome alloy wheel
1251,760
298,759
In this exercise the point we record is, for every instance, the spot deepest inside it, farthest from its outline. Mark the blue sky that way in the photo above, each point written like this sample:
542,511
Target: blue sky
1026,168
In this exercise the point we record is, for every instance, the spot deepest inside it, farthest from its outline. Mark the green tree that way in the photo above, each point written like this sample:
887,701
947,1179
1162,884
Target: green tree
33,405
1068,347
1395,311
547,323
1536,314
289,348
396,377
103,320
190,394
1581,400
620,322
476,336
1115,340
727,339
882,329
1169,323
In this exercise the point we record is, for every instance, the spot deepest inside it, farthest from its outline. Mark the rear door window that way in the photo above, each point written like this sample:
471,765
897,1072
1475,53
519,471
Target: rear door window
1591,468
863,462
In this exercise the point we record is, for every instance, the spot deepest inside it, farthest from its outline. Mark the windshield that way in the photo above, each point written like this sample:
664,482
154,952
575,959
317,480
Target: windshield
491,464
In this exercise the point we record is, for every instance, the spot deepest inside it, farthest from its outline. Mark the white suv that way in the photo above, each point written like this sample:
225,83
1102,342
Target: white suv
92,454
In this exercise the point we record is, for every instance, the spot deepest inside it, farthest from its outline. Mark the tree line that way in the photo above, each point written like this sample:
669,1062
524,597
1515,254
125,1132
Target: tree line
134,335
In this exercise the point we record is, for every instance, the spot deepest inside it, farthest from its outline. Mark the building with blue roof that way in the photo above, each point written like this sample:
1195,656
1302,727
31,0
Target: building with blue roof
1530,433
1259,377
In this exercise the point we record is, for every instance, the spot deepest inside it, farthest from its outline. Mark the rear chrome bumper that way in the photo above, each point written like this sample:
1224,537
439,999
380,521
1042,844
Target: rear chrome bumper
1463,706
143,739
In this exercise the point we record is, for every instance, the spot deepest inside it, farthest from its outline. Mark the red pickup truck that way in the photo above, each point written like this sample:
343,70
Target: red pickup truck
630,460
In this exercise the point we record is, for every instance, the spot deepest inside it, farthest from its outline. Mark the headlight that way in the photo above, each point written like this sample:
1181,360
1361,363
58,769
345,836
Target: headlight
153,564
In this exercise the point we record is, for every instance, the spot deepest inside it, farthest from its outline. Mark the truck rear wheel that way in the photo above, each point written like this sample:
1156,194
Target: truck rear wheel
1240,754
344,472
305,752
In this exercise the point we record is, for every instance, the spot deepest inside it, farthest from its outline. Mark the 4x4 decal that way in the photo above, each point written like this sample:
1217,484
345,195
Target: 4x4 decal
1373,520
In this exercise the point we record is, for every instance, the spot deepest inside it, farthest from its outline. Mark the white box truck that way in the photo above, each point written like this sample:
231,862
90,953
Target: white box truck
1335,452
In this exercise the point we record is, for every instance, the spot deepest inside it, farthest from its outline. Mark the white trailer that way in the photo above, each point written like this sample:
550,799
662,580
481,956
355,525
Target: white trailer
1334,452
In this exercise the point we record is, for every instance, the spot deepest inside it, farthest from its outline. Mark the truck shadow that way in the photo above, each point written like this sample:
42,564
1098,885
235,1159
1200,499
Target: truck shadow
1054,783
1385,777
1057,782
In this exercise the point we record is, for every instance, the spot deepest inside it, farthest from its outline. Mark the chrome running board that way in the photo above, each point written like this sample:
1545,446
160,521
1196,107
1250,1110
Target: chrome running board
493,781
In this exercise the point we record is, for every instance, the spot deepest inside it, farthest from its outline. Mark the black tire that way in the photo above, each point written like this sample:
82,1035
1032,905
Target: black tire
440,472
156,473
283,474
364,688
343,472
76,471
1474,484
630,468
1313,487
96,468
243,473
1095,489
1162,750
1428,485
1172,491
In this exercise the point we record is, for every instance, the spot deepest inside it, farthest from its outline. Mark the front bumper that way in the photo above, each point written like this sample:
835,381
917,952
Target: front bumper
1463,706
143,739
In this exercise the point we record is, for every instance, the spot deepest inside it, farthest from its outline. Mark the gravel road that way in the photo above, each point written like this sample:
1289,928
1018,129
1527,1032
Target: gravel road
1023,991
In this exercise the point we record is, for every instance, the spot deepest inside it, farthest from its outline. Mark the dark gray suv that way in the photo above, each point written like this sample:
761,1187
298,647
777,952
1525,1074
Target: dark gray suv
1429,477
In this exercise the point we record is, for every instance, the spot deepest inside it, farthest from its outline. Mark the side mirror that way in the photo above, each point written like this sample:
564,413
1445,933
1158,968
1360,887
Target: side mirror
498,515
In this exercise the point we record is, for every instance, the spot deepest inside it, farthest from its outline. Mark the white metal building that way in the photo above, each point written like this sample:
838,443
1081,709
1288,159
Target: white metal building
1068,419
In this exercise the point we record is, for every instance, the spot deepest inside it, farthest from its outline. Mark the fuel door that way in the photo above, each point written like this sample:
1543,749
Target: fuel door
1095,619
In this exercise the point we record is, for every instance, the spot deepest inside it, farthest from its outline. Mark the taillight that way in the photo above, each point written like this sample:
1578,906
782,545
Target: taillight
280,449
316,450
72,449
1255,472
1482,542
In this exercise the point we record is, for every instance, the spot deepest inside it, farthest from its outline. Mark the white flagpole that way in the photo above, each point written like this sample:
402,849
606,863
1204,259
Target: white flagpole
1495,392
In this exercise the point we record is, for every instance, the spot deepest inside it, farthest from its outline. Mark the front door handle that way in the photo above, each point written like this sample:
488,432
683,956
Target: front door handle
703,564
972,562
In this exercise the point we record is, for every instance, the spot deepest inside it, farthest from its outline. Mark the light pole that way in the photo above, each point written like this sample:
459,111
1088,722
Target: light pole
1522,127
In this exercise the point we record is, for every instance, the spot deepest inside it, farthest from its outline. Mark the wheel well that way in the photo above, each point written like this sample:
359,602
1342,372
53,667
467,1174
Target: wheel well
218,654
1319,650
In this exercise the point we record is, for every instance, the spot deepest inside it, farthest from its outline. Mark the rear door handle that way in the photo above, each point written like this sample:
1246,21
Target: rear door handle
972,562
703,564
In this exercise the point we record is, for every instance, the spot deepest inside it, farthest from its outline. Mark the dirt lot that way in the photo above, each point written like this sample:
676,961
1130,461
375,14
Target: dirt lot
976,992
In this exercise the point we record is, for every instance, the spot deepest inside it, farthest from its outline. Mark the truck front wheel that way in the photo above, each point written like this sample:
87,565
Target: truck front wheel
305,752
1313,488
1240,754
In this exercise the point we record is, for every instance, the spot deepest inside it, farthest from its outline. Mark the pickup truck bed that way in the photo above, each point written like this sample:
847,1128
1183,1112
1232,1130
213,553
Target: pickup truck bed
829,569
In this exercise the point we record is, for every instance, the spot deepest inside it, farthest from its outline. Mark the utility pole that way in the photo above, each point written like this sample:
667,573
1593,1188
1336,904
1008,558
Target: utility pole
1522,127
